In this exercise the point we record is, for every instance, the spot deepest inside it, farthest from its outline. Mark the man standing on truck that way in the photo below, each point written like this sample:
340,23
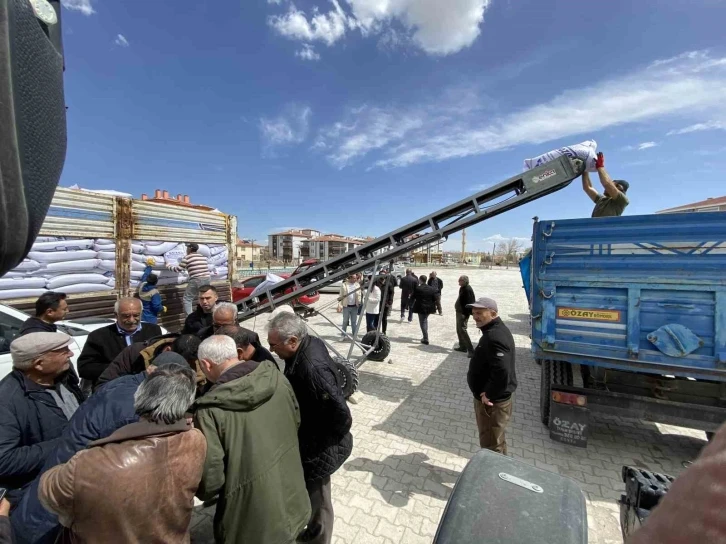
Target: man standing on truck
49,309
196,266
491,376
614,201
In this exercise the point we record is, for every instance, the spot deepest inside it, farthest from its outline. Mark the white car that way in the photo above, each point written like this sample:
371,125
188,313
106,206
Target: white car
12,319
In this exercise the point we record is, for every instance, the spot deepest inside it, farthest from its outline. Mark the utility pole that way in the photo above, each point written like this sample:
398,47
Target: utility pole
463,246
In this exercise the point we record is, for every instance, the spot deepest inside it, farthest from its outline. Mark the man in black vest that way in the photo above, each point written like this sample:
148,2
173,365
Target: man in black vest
104,344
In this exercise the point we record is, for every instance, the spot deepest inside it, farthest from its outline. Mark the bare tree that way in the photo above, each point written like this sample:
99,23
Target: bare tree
509,250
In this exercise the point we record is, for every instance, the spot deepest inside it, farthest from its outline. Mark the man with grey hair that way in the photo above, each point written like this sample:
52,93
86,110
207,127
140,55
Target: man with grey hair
103,494
37,399
104,344
250,418
325,439
223,314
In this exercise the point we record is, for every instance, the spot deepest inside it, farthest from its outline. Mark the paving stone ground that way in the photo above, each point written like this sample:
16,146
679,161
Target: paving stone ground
414,429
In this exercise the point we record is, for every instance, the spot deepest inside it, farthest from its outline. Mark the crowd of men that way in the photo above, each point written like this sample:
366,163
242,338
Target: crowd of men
206,412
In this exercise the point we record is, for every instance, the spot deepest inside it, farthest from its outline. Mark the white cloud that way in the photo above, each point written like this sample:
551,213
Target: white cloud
433,26
307,53
84,6
688,85
641,147
291,127
698,127
121,41
326,27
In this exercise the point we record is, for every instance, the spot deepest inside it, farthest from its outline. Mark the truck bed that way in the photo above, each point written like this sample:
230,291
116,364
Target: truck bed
602,291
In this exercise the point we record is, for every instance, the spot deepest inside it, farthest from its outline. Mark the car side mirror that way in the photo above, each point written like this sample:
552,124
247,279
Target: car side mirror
32,121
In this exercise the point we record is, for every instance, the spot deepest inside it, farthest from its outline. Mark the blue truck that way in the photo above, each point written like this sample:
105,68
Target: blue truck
639,304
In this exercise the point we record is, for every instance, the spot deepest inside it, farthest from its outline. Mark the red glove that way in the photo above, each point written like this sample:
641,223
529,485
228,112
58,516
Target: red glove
600,163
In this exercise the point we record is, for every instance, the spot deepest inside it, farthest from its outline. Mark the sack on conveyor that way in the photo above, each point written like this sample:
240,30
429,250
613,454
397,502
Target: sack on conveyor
587,151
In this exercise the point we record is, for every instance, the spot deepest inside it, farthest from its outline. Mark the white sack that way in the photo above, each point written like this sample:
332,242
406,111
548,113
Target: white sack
22,283
137,247
86,288
270,280
46,239
586,151
219,258
27,265
12,274
104,247
204,250
62,245
105,241
107,255
107,264
217,248
159,248
21,293
70,266
72,279
175,255
61,256
159,261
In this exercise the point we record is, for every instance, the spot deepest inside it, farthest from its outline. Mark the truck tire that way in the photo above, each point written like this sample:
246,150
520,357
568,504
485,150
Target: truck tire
553,373
382,345
349,376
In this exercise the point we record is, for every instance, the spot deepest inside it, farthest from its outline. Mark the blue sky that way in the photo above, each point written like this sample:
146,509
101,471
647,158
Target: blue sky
359,116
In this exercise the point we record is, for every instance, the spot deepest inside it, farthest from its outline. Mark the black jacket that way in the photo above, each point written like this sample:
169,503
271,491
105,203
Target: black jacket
408,285
261,354
324,434
30,426
104,344
135,358
196,321
35,324
424,300
466,296
437,283
491,369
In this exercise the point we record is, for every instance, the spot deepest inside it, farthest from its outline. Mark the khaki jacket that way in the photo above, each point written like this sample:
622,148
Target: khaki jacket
346,288
136,486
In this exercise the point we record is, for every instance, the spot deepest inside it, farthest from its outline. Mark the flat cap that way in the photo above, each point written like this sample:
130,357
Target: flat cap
33,345
484,302
166,357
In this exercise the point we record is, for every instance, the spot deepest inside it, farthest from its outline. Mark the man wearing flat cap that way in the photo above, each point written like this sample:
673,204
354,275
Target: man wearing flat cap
491,377
36,401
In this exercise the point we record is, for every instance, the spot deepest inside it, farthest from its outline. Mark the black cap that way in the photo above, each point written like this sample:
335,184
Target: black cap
624,184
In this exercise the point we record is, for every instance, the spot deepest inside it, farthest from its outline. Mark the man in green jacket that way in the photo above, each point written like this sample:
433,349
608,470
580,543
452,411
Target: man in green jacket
250,418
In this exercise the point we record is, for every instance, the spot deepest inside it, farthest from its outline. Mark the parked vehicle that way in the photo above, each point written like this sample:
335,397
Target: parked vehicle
244,288
640,301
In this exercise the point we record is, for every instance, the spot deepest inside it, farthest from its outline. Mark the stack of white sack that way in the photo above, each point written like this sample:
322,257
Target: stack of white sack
89,265
587,151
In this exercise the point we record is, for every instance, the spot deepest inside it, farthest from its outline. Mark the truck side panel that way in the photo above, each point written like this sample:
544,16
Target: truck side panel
602,287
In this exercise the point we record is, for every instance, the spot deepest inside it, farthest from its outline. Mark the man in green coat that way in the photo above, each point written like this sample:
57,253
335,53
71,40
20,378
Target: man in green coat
250,418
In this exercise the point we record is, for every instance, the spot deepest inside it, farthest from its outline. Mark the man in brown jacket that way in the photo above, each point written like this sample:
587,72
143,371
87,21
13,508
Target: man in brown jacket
138,484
